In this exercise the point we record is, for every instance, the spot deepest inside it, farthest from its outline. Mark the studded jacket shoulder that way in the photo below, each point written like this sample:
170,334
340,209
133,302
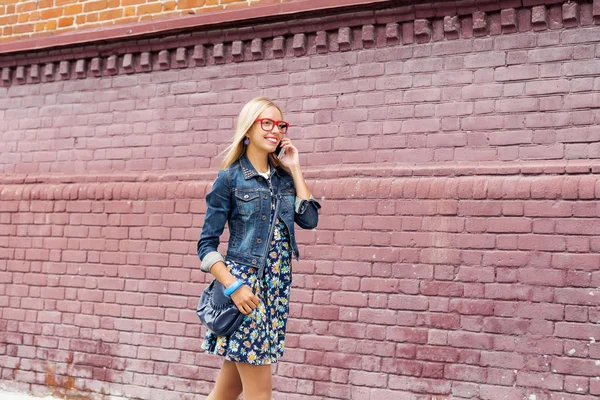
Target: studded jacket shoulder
241,197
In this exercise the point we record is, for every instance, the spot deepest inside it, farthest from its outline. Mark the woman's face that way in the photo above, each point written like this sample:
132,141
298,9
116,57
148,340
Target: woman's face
265,141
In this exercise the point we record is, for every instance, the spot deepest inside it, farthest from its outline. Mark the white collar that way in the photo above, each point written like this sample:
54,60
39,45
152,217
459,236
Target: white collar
266,174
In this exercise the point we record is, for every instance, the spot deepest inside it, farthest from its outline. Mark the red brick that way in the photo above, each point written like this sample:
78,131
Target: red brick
511,292
482,91
547,87
485,59
548,278
423,125
320,312
541,242
578,226
470,340
577,296
540,311
438,320
550,54
472,307
589,262
541,380
349,299
465,373
437,353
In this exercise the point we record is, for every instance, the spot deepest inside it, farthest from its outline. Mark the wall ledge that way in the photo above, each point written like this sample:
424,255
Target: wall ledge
440,22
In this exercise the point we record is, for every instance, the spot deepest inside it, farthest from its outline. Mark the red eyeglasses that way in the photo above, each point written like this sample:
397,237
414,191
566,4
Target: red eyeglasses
267,124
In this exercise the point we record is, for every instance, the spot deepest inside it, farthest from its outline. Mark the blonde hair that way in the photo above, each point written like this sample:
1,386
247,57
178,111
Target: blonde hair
246,118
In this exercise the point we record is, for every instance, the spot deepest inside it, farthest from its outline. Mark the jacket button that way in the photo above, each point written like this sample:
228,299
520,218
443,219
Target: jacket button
258,240
253,261
265,197
264,217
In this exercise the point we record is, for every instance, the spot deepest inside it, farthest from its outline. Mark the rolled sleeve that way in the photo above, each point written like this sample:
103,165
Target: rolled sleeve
301,204
306,212
218,208
210,259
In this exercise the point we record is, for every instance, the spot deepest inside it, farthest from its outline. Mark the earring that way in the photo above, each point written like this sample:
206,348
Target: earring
247,141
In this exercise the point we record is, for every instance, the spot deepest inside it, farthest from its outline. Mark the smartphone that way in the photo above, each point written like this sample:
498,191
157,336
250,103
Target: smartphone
280,151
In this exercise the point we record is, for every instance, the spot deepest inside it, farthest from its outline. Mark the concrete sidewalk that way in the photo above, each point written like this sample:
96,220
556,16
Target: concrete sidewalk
4,395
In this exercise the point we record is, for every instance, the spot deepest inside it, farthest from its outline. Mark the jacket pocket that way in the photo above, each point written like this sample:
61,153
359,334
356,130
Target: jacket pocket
248,202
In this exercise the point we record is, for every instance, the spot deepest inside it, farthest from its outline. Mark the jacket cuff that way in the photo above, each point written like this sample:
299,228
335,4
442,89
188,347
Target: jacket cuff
210,259
301,204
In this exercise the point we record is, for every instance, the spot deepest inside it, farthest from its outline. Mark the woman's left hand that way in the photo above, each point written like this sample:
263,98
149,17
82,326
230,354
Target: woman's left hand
291,157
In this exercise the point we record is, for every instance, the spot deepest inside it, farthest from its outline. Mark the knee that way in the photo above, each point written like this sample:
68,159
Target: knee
263,393
231,392
234,391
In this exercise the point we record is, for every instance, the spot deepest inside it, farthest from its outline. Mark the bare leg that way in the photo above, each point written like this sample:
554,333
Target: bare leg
256,380
228,385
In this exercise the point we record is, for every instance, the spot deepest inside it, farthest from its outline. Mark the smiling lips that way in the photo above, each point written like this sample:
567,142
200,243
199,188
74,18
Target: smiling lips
271,140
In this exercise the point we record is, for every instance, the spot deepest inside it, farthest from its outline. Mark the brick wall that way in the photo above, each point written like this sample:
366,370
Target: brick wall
457,253
24,18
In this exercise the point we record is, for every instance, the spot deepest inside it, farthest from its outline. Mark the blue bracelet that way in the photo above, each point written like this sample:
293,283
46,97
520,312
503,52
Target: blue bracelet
233,287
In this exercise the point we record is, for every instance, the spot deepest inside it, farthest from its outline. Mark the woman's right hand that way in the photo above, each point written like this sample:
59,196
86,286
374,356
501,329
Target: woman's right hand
245,300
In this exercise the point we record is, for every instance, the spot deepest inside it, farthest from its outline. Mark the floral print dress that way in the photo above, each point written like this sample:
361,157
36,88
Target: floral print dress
260,338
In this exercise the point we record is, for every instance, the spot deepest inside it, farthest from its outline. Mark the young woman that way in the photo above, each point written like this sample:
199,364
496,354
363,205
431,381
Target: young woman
260,197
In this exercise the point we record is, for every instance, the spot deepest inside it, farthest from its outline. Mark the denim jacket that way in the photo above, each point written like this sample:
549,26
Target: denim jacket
241,197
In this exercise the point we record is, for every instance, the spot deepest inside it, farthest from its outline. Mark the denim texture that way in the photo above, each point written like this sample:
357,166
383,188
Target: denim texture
241,198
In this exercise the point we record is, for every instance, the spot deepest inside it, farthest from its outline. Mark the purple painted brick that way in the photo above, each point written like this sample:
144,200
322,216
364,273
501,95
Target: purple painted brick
237,50
6,75
555,20
146,61
20,74
511,3
368,34
321,42
392,32
279,46
96,66
345,38
80,69
34,72
256,48
111,65
570,13
181,57
63,69
585,14
508,20
408,32
452,24
424,10
464,7
128,62
49,70
539,17
199,54
596,11
423,30
219,52
437,29
444,9
299,44
164,59
524,20
480,23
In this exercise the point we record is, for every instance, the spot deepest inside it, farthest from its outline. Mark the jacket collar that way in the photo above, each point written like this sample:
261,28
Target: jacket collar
249,170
